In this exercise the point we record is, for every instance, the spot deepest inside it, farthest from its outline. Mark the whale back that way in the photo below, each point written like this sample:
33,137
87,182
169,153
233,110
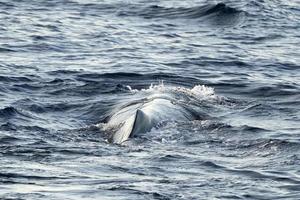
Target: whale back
138,123
141,118
142,123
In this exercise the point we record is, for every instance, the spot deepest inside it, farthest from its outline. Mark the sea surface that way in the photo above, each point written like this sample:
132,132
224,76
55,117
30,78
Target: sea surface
66,65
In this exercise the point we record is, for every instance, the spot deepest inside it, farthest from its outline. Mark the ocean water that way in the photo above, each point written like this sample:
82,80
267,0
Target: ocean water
66,65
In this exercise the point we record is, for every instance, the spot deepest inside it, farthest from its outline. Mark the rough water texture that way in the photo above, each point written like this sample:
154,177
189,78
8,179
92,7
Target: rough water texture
66,65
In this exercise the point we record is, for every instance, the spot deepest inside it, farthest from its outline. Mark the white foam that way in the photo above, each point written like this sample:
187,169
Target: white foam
202,91
198,91
131,90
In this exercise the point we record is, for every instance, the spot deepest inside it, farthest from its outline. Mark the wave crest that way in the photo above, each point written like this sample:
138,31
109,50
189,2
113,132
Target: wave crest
219,13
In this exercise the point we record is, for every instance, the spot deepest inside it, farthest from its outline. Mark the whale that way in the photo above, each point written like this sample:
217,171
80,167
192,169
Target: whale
151,108
141,116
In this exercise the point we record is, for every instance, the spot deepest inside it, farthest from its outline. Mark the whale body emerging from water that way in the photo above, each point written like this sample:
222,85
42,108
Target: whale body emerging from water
141,117
162,105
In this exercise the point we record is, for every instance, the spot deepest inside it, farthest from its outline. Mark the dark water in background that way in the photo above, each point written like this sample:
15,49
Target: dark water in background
64,65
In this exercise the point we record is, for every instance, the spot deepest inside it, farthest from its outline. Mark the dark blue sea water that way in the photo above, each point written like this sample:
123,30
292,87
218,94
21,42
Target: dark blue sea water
66,65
